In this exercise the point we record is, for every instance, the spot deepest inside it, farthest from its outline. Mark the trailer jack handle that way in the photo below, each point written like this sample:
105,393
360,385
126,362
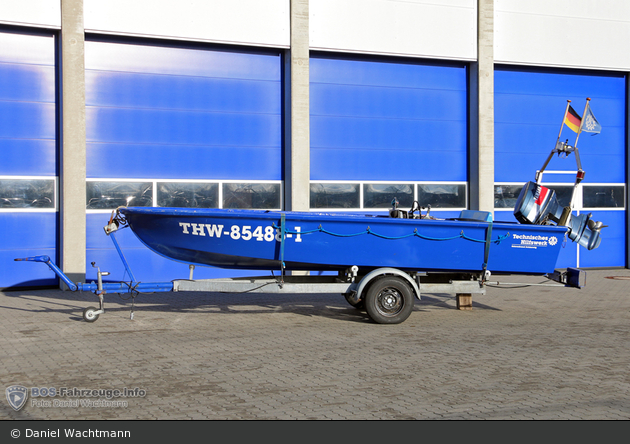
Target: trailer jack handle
99,288
90,314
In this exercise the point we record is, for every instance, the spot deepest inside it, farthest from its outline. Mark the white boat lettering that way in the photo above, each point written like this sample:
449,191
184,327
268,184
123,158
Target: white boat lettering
200,229
214,230
534,241
237,232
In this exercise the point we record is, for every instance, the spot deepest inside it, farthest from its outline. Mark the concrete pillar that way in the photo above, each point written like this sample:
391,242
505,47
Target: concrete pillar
482,112
297,123
72,175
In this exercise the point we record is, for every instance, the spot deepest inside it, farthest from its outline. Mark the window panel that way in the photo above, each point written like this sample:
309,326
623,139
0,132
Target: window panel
442,195
603,196
505,196
563,194
111,195
188,194
382,195
335,195
251,195
27,193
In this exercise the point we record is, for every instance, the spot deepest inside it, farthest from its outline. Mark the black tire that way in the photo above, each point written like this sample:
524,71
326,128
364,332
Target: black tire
358,305
89,314
389,300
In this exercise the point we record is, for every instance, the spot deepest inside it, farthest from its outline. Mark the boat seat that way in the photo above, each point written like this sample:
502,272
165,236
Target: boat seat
475,216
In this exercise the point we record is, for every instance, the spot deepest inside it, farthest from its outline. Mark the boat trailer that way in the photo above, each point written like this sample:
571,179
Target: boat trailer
387,294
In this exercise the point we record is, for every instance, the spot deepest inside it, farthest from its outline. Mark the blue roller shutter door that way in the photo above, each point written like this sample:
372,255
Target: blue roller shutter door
529,106
381,120
165,112
28,137
387,120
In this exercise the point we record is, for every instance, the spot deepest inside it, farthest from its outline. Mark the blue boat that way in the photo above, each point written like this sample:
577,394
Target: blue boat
267,240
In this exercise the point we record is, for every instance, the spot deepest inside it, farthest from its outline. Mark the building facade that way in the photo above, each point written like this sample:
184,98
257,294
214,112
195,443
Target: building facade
298,105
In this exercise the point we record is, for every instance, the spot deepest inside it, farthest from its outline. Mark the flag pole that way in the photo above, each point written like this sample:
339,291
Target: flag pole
588,99
539,173
580,172
564,117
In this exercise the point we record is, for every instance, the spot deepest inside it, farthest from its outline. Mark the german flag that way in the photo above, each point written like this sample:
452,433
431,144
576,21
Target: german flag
572,119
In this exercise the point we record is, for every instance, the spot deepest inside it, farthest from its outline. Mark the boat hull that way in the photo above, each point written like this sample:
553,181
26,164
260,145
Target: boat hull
251,239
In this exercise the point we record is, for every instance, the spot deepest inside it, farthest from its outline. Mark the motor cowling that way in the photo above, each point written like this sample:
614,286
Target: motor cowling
539,205
536,204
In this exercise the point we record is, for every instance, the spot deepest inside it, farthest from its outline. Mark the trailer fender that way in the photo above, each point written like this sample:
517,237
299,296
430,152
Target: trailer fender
374,274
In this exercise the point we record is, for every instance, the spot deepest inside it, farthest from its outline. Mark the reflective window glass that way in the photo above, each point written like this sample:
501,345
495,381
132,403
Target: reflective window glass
442,195
334,195
603,196
382,195
27,193
111,195
188,194
251,195
505,196
563,194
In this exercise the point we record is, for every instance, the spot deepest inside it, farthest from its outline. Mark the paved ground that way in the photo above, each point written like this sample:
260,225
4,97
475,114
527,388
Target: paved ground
521,353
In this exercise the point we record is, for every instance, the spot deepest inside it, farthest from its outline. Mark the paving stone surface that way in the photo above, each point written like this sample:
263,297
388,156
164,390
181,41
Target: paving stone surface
523,352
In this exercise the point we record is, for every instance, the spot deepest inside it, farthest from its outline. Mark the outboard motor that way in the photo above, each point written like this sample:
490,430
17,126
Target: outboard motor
538,205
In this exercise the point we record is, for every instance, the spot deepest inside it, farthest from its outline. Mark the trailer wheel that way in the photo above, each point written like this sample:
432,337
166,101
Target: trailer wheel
358,305
89,314
389,300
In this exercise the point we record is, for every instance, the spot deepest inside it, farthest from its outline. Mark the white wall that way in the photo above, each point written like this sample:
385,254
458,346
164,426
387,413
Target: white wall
568,33
247,22
445,29
41,13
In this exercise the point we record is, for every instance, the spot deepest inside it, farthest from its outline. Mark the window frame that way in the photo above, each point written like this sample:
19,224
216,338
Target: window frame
55,207
414,184
155,183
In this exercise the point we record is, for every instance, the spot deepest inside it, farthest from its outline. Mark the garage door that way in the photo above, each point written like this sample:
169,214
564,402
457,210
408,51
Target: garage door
529,108
384,128
178,126
28,171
